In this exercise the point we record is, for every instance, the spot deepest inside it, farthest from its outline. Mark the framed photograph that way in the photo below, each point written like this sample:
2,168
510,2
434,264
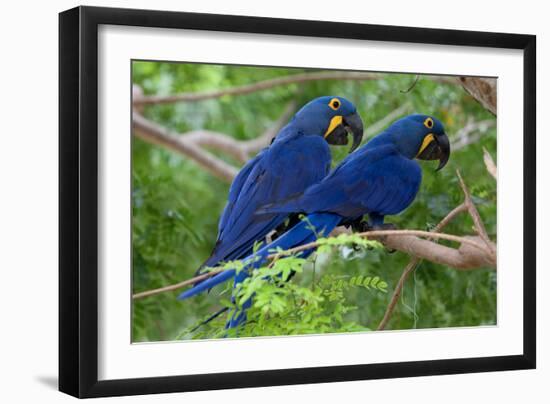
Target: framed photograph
251,201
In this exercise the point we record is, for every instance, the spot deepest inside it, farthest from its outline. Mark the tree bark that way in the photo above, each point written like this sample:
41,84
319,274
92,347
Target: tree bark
484,90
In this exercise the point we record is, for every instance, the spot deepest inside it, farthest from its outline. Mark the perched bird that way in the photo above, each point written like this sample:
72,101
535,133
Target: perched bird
298,157
381,178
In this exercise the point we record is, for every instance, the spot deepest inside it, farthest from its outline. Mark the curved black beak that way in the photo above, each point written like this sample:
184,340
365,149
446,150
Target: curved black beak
439,148
339,135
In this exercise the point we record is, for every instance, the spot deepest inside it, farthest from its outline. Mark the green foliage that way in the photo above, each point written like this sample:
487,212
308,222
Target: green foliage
290,308
346,240
176,206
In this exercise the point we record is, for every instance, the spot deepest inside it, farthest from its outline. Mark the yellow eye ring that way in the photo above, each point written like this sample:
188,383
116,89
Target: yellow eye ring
334,104
429,123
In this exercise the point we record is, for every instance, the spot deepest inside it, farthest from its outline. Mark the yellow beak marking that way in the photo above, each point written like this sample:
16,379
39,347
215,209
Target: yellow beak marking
334,122
427,140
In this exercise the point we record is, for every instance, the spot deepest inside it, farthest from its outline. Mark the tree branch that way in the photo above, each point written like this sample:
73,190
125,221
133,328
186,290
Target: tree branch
478,223
156,134
381,124
489,163
218,141
411,266
484,90
175,286
254,87
464,258
471,254
255,145
452,80
471,133
191,144
240,149
389,236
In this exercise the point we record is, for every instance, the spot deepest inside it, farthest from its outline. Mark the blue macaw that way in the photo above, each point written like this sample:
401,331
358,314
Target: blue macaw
298,157
381,178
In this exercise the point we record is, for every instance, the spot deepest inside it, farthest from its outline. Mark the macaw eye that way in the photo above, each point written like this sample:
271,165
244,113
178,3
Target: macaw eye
429,123
334,103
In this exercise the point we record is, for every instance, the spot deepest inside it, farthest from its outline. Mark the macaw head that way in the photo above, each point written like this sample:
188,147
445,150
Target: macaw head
332,117
422,137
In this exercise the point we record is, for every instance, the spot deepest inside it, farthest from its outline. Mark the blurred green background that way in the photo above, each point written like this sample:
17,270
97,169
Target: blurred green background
176,204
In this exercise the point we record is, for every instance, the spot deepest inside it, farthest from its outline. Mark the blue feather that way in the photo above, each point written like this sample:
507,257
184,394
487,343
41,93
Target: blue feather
286,168
375,180
298,157
381,178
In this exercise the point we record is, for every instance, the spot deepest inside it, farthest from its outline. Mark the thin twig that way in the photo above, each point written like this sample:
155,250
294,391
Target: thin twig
467,206
382,233
240,149
451,80
175,286
471,133
381,124
413,262
275,256
254,87
489,163
412,85
154,133
478,223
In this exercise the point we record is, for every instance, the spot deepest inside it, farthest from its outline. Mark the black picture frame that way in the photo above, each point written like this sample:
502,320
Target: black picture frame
78,196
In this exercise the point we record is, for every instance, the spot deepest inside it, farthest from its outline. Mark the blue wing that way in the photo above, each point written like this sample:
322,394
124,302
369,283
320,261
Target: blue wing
285,168
371,180
235,189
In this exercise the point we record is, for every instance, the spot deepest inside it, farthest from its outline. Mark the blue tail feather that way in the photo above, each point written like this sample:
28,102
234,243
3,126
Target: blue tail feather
314,226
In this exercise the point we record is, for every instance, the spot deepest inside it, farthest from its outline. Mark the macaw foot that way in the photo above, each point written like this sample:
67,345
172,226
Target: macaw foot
362,226
283,228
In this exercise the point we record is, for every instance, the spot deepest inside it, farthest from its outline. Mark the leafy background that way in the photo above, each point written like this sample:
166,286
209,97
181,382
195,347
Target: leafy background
176,205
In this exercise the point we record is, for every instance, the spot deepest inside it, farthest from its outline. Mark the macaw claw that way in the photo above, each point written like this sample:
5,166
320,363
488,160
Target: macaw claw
364,226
